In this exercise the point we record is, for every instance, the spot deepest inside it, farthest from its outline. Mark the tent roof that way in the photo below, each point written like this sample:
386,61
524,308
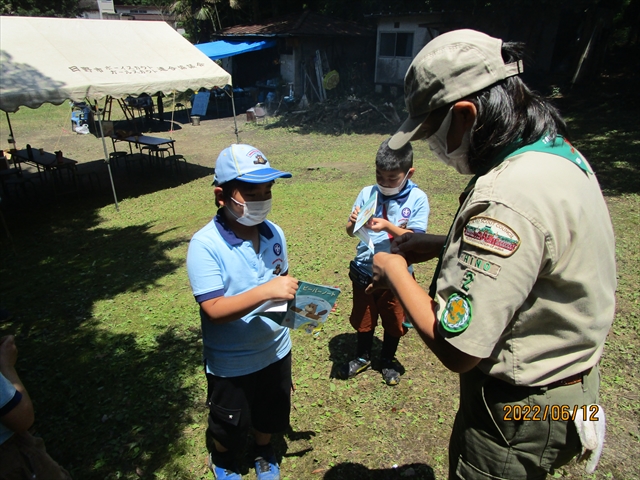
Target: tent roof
226,48
58,59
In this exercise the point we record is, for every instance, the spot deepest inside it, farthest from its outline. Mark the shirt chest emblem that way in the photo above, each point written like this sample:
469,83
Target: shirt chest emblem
406,212
489,234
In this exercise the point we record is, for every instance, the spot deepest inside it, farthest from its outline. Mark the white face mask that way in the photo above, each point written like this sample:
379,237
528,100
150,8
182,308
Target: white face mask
389,191
457,159
253,213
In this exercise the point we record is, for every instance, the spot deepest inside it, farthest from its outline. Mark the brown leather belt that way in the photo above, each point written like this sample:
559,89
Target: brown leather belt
571,380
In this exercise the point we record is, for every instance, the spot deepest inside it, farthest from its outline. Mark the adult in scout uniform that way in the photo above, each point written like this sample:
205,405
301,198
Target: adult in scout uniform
523,295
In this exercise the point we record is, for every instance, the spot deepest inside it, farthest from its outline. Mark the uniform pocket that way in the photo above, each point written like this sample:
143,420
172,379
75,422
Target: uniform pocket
359,275
225,415
509,409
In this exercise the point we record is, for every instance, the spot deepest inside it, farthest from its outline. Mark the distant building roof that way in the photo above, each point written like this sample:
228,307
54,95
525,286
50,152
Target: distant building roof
299,24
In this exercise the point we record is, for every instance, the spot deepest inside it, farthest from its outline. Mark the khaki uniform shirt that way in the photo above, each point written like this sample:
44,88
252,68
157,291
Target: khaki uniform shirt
532,253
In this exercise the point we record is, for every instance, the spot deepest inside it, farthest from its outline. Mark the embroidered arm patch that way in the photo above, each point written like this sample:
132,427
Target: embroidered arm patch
456,316
489,234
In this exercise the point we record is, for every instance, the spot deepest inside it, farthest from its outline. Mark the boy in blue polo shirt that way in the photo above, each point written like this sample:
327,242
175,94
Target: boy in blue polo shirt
402,207
236,264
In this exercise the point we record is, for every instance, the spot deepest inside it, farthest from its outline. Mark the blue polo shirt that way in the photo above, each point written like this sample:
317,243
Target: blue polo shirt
221,264
9,399
408,209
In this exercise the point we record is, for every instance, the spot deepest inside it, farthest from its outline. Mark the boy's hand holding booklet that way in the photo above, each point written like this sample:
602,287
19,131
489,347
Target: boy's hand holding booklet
308,310
366,212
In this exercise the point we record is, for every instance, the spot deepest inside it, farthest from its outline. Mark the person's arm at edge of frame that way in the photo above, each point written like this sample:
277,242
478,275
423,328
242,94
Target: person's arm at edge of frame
392,270
227,309
21,417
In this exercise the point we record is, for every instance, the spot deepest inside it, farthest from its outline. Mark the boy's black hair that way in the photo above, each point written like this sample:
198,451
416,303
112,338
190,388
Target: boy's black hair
387,159
227,189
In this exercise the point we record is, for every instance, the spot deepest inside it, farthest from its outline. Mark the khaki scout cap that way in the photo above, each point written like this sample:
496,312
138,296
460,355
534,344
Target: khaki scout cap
448,68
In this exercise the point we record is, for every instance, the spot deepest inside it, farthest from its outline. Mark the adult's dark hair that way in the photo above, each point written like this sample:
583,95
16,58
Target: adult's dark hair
387,159
507,112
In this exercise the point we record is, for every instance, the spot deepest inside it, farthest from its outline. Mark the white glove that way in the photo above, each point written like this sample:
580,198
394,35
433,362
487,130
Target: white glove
591,436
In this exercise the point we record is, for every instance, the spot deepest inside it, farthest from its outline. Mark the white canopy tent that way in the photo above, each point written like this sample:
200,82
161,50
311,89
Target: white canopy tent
52,60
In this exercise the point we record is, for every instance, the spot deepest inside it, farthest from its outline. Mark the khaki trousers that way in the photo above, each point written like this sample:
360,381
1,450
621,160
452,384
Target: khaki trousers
493,439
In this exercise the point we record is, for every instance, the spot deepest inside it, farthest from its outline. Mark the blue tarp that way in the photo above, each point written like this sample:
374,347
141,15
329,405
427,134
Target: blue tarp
226,48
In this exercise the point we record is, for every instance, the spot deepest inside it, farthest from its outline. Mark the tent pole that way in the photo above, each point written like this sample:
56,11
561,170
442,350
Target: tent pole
235,122
106,156
13,139
173,110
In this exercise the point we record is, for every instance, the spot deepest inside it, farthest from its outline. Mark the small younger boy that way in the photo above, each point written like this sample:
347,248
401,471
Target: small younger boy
236,263
402,207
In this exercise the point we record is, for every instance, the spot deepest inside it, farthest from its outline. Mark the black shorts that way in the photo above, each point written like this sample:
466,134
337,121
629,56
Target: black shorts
260,400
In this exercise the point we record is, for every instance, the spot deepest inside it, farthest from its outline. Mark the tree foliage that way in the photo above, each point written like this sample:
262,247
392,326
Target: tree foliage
202,17
40,8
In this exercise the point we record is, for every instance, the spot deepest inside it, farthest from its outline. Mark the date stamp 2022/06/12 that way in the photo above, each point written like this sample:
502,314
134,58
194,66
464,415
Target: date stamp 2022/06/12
554,412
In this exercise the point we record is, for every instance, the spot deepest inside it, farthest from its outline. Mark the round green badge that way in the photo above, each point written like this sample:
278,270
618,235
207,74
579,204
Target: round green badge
456,316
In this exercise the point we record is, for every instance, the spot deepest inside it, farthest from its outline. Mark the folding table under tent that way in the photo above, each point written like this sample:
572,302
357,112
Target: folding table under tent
53,60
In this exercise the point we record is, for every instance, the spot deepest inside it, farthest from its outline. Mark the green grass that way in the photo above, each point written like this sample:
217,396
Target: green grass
109,336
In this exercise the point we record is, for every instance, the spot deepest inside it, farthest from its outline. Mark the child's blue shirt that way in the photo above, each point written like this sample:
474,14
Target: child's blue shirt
408,209
221,264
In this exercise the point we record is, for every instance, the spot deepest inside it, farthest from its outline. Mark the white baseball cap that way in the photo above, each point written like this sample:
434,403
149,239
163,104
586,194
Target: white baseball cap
245,163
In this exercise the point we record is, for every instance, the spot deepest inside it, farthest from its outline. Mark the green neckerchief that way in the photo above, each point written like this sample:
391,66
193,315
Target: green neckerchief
559,146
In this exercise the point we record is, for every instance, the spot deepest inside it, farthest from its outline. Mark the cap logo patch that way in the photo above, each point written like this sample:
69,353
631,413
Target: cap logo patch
479,264
457,314
277,249
492,235
260,160
406,212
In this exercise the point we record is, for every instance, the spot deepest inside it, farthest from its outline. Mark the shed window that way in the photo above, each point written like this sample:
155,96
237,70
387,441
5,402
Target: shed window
396,44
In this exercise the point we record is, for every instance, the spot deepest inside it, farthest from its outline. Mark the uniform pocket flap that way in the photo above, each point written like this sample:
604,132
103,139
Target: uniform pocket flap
225,414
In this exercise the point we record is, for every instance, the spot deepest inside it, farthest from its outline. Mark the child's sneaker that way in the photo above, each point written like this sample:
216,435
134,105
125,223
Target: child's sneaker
390,372
267,467
220,473
354,367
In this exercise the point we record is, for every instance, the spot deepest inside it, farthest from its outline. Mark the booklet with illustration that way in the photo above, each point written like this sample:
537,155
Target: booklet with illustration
366,212
308,310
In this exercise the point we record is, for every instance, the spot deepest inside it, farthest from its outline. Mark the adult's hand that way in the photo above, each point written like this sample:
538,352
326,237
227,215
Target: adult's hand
382,262
418,247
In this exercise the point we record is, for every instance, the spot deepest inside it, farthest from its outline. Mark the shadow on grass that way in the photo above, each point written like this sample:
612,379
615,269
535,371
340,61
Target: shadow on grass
356,471
280,446
342,349
132,177
369,114
602,117
107,404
